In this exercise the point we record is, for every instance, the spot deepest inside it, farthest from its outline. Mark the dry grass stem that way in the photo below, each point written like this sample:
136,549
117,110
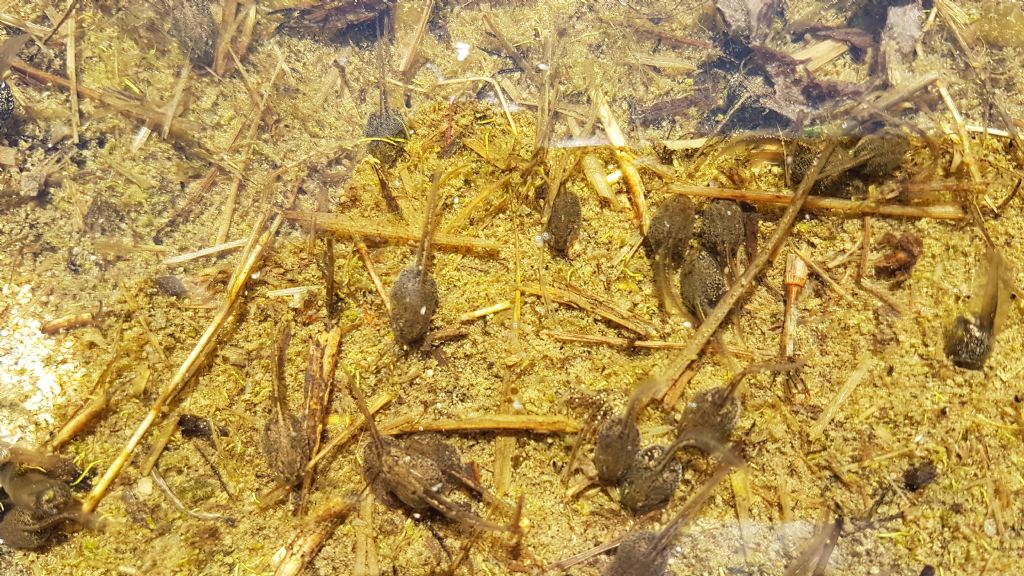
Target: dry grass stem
485,311
204,252
635,185
824,275
364,254
348,226
71,66
573,296
859,374
824,203
180,128
345,435
539,424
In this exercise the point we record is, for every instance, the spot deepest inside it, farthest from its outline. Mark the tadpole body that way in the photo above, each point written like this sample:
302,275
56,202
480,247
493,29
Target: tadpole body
415,472
192,25
970,338
721,230
646,553
564,222
6,103
881,153
414,294
701,282
650,481
618,438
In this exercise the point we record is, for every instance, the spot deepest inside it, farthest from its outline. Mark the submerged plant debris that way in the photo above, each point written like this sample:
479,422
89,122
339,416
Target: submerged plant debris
220,220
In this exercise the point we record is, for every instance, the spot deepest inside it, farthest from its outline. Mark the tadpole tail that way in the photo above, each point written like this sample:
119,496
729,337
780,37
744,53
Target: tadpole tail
730,461
992,292
278,361
370,423
667,296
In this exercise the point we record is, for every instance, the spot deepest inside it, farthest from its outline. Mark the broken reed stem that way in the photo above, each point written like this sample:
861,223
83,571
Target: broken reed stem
822,203
72,70
357,422
179,127
349,226
259,242
364,254
312,534
575,297
754,268
405,65
485,311
209,251
817,269
536,423
228,212
856,377
635,185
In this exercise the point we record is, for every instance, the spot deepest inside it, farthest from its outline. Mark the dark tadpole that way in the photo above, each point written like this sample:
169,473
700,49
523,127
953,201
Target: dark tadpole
970,339
701,282
645,553
667,240
192,25
414,294
618,438
564,222
721,230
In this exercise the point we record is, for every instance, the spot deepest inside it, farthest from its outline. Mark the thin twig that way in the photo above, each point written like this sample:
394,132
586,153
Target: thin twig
823,203
349,226
536,423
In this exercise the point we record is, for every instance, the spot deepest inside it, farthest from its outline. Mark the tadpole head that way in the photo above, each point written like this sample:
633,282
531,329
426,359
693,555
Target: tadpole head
414,301
639,555
670,230
969,342
564,223
721,229
617,443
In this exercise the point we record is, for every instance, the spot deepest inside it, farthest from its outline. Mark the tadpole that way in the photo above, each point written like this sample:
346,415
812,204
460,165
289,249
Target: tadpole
970,338
667,241
564,222
645,553
701,282
415,472
618,438
414,294
721,230
285,442
192,25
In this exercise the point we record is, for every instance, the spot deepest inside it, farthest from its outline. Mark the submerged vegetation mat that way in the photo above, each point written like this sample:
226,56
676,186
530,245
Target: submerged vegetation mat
433,287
